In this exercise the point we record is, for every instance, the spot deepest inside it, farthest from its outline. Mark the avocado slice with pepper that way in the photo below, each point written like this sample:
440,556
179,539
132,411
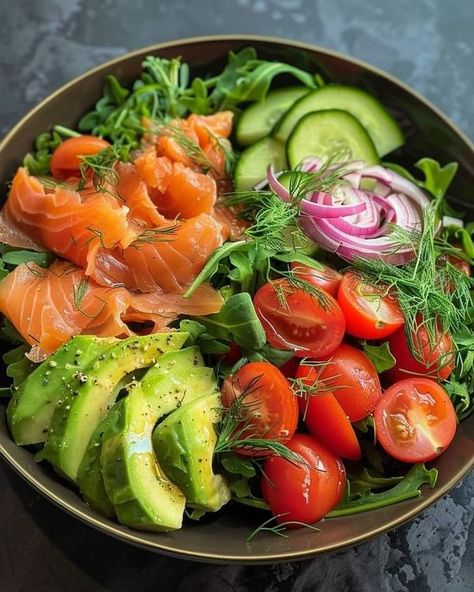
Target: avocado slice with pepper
142,495
184,443
176,377
94,392
32,405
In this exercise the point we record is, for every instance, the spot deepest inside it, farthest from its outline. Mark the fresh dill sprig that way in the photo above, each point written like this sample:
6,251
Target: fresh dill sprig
230,156
270,216
319,387
280,528
237,431
192,148
155,235
297,283
100,168
79,293
327,178
432,293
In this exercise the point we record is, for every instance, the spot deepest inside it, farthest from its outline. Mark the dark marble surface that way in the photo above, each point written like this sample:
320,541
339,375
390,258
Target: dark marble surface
43,43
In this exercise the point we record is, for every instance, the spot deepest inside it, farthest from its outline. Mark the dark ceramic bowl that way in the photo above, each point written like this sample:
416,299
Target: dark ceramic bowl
429,133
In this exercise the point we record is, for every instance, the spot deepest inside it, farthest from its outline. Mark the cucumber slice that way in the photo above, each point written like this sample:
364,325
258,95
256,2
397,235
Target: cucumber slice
324,133
254,160
257,121
380,125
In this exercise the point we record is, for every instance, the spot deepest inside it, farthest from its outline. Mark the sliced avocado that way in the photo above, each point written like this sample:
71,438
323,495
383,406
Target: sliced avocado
31,407
139,490
89,476
80,410
175,377
184,443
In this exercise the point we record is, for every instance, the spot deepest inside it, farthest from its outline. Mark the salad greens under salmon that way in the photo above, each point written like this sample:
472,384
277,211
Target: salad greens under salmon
215,292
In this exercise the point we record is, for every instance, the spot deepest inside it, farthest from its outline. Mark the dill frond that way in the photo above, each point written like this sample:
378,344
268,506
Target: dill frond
280,528
237,431
192,148
432,293
101,168
151,236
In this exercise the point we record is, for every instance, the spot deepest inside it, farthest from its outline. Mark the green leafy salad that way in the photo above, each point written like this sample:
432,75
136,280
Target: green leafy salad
226,290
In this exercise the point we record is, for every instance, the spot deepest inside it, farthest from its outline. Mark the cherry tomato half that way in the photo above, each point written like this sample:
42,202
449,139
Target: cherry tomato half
295,320
323,276
371,313
436,361
269,406
415,420
461,264
353,380
66,160
325,418
305,492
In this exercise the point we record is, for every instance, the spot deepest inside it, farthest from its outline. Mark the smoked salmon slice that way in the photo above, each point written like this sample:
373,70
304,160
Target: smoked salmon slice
189,193
48,306
71,224
164,263
132,188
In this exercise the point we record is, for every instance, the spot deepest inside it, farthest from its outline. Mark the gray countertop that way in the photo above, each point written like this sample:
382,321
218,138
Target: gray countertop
426,43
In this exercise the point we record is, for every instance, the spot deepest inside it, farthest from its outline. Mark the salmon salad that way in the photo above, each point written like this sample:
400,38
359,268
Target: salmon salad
235,291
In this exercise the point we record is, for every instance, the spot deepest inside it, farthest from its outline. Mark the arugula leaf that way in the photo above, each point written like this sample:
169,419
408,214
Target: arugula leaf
380,356
39,160
463,235
239,470
43,259
436,178
277,357
243,272
460,385
18,365
296,257
237,321
460,395
245,78
199,336
237,465
231,74
365,482
407,488
212,265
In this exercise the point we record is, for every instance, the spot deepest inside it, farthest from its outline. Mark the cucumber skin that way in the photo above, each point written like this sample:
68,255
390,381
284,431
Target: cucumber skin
62,449
244,180
281,131
32,406
350,119
285,96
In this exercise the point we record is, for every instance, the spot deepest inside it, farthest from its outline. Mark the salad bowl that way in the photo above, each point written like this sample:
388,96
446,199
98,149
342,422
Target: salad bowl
224,537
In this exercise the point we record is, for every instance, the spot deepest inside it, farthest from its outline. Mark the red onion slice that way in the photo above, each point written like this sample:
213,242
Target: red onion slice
309,227
318,210
276,186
